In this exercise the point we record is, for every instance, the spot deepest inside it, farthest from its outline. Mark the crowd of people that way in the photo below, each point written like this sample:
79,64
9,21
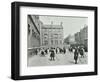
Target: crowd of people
77,50
53,51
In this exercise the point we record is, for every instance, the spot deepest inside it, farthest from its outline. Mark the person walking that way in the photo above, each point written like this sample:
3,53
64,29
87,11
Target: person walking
76,55
36,51
64,50
56,50
42,52
81,52
52,55
46,51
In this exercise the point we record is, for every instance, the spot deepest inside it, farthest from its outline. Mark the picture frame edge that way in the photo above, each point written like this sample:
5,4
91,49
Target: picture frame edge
15,62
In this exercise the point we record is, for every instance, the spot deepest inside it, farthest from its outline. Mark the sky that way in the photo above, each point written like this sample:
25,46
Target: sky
70,24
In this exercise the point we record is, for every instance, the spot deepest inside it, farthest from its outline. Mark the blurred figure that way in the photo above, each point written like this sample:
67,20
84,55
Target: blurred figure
76,55
70,49
36,51
64,50
46,51
81,50
56,50
42,52
52,55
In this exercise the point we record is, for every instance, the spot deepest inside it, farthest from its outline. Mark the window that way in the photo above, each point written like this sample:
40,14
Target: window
51,35
33,32
60,41
45,42
51,42
56,36
29,29
45,36
56,42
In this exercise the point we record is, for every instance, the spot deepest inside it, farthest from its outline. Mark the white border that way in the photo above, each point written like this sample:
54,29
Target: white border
24,70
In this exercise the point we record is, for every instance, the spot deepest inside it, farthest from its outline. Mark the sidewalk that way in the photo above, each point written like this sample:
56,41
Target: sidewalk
60,59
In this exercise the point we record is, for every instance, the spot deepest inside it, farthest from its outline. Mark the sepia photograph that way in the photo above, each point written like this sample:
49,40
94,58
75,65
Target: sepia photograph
57,40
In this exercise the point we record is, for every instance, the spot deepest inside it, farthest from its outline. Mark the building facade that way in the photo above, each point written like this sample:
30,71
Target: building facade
52,35
77,37
82,36
33,31
70,39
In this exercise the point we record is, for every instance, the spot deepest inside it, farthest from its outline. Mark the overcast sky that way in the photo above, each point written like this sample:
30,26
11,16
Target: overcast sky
71,25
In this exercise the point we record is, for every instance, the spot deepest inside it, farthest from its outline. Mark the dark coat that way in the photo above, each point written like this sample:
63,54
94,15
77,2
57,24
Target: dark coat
76,54
64,50
81,52
52,54
42,52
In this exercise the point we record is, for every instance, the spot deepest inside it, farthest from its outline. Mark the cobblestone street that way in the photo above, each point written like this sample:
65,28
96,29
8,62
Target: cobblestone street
60,59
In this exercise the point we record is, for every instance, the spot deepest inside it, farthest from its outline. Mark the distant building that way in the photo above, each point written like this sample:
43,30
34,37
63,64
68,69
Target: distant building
82,36
69,39
33,31
52,35
77,37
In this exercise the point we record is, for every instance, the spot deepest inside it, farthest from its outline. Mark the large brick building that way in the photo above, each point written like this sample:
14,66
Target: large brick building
52,35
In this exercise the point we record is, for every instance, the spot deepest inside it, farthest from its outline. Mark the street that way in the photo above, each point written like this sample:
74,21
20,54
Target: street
60,59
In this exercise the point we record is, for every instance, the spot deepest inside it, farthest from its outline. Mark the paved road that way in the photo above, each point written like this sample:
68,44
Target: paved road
60,59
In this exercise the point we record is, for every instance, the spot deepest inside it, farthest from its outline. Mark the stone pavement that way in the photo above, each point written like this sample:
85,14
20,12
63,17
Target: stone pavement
60,59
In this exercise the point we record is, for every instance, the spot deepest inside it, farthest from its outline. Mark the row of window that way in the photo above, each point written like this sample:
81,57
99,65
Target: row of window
52,30
53,42
53,35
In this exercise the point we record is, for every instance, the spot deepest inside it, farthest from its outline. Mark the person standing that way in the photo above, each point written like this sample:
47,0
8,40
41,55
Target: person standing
42,52
52,55
46,51
36,52
56,50
76,55
82,52
64,50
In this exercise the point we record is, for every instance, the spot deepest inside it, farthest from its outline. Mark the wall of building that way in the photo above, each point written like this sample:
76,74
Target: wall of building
52,35
82,36
70,39
77,37
33,32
